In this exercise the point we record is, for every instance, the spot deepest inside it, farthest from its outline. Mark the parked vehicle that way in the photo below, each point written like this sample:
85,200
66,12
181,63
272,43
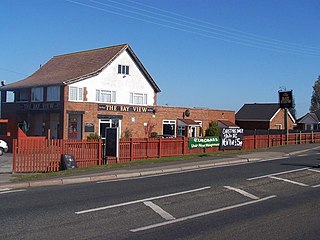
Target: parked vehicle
3,147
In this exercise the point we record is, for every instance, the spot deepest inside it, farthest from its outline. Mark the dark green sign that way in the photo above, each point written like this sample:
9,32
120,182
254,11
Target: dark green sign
207,142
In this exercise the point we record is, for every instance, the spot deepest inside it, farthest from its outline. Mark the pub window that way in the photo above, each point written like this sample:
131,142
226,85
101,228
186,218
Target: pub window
138,98
168,128
37,94
123,69
181,131
105,96
23,95
75,94
53,93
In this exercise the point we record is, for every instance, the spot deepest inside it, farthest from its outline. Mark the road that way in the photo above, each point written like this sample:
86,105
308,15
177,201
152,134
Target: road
276,199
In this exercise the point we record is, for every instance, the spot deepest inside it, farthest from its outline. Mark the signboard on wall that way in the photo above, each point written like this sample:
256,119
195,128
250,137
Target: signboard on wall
207,142
231,138
285,99
88,127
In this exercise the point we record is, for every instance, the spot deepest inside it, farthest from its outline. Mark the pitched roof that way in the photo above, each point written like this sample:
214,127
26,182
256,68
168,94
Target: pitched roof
68,68
315,115
257,112
189,122
226,123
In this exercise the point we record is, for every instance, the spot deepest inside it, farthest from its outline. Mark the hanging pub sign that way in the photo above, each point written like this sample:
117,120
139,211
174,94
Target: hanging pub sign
285,99
231,138
207,142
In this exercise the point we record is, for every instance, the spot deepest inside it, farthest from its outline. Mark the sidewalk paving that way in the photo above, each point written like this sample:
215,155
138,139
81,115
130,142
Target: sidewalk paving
7,179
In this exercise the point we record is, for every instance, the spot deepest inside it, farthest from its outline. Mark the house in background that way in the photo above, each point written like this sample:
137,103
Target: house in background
263,116
310,121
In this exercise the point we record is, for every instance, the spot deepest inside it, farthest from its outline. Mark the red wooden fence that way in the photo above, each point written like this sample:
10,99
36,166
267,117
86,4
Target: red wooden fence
43,155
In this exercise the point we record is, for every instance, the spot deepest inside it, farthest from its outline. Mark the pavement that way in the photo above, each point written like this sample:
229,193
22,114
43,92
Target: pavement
7,178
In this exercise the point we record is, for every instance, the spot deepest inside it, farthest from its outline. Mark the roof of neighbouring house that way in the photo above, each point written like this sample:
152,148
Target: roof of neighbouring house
68,68
189,122
315,115
226,123
257,112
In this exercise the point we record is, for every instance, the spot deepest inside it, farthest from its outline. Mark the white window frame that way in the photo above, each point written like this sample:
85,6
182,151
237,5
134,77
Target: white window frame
75,93
138,98
103,95
53,93
37,94
171,122
123,69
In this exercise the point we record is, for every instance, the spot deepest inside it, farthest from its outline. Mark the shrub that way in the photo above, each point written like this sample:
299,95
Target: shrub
213,129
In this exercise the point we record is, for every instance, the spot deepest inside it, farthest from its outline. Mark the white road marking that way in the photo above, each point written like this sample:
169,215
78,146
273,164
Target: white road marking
314,170
13,191
159,210
315,186
142,200
244,193
200,214
275,174
289,181
5,189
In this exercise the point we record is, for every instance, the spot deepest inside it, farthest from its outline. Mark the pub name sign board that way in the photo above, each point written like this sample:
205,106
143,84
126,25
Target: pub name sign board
125,108
285,99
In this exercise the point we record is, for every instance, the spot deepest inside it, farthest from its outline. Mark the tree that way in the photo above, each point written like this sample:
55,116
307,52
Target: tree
315,98
213,129
293,109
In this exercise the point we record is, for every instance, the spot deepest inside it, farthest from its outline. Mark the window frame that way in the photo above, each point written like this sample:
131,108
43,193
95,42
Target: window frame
123,69
56,94
78,92
101,92
37,94
134,96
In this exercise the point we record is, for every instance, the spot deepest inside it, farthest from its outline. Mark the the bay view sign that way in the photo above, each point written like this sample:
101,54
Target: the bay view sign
125,108
40,106
207,142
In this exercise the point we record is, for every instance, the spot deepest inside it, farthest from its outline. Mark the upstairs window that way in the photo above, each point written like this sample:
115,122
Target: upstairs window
37,94
105,96
75,94
53,93
138,98
123,69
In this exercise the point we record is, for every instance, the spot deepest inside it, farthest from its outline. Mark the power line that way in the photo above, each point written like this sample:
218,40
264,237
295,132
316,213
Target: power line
224,34
12,71
225,29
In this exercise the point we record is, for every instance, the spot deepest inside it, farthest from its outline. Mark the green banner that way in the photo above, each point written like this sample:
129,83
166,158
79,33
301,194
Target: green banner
207,142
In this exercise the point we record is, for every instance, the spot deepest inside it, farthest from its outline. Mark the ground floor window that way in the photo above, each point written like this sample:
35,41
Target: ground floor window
181,131
75,126
169,127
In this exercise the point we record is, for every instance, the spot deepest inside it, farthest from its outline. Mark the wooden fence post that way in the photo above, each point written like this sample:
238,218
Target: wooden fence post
159,146
131,149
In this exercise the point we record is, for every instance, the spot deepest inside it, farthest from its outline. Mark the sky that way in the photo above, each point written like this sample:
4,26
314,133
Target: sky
218,54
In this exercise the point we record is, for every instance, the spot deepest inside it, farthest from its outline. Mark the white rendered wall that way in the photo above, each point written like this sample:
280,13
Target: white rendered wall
109,79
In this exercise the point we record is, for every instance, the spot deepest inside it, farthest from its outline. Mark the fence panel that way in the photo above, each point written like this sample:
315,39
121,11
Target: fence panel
44,155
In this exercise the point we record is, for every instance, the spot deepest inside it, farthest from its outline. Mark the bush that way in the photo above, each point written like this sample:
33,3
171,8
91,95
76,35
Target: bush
93,136
127,133
154,134
213,129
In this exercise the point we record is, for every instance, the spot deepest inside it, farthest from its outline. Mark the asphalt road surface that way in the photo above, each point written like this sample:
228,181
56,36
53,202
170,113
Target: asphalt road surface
276,199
